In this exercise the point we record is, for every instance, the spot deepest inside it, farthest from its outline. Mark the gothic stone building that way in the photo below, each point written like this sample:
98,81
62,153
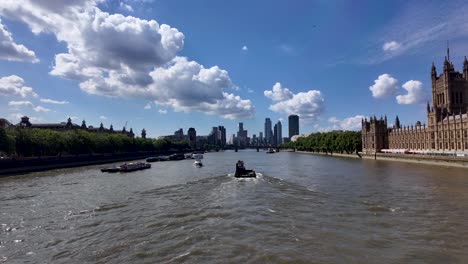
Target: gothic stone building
447,120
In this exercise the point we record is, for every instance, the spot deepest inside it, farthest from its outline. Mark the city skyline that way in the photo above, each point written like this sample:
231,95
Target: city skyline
162,65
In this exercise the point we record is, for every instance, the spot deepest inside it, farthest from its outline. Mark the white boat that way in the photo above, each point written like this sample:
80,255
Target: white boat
198,163
197,156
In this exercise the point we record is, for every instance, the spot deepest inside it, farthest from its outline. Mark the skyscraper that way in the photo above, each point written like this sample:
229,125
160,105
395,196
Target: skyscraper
222,135
268,131
274,137
242,135
293,122
192,135
279,133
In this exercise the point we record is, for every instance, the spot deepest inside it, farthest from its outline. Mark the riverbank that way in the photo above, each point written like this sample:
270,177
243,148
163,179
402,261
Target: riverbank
459,162
13,167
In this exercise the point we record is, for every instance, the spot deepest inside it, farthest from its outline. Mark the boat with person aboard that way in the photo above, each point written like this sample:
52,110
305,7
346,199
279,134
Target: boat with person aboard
241,172
270,151
198,163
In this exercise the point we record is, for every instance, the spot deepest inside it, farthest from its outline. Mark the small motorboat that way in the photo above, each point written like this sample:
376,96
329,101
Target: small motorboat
198,163
270,151
197,156
241,172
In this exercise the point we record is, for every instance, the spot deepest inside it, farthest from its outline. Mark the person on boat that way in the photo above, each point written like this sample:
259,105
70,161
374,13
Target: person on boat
240,169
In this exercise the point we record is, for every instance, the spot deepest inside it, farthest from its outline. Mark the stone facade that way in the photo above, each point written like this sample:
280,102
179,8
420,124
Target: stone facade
447,120
63,126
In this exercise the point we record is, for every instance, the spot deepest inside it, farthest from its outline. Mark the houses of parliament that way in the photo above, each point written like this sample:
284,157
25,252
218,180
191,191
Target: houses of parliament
447,120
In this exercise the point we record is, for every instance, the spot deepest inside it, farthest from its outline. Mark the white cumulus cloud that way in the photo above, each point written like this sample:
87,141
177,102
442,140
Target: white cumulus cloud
116,55
14,86
11,51
17,104
349,123
147,106
162,111
415,93
278,93
244,48
20,103
308,105
188,86
41,109
384,86
50,101
391,46
103,117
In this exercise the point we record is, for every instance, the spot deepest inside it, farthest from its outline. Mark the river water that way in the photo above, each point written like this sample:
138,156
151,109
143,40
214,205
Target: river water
302,209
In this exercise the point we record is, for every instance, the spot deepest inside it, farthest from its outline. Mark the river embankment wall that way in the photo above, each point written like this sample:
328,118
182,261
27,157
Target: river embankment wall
451,161
15,166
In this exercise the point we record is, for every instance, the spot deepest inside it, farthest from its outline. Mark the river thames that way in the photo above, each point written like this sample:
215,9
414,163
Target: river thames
302,209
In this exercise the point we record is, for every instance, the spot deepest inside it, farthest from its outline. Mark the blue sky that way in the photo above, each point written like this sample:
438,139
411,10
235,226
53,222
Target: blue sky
169,64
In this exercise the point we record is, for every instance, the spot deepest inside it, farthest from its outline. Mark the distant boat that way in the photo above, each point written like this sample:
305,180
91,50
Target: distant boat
197,156
270,151
198,163
241,172
128,167
177,156
158,158
111,169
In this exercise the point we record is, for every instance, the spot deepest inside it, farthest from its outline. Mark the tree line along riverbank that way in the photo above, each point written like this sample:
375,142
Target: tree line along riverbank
329,142
25,150
21,143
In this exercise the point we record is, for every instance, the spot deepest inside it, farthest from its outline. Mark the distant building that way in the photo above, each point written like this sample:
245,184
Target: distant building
213,136
274,140
242,136
232,139
279,133
63,126
4,123
447,118
268,133
202,141
293,123
222,135
260,138
179,134
192,137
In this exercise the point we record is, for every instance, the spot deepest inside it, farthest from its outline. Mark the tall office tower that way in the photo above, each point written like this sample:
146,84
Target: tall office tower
260,138
242,135
293,122
279,133
192,135
222,135
268,131
213,136
275,135
179,134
